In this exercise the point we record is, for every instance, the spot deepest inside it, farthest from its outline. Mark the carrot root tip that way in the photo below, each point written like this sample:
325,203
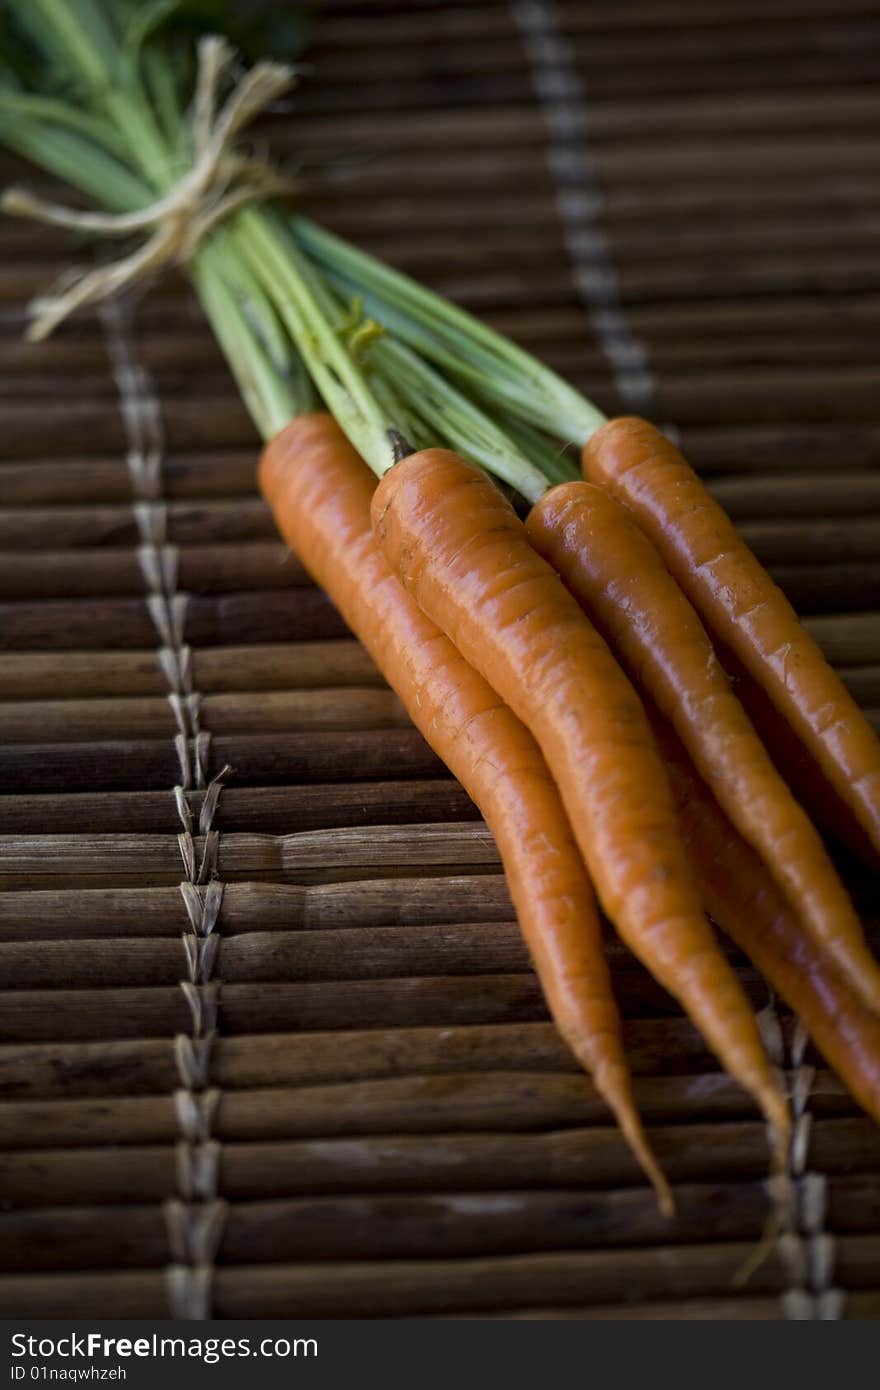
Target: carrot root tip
635,1136
761,1252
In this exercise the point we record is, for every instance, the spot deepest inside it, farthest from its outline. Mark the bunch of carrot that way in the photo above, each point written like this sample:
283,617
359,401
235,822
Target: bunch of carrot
569,668
596,625
472,608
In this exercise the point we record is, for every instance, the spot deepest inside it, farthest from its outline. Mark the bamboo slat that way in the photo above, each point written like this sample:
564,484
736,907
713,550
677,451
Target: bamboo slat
686,358
147,1066
405,1103
828,393
200,569
587,1158
799,495
699,200
258,759
458,128
269,810
659,56
225,619
369,848
393,1288
149,718
172,382
738,392
428,251
742,1309
359,28
361,952
516,1102
434,89
863,683
89,1015
697,188
773,447
34,430
786,542
209,522
388,1227
828,588
52,914
847,637
78,481
87,350
92,1014
753,318
268,666
355,707
268,565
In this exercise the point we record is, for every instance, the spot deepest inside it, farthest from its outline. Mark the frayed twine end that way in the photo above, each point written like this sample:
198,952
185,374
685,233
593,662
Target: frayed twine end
218,182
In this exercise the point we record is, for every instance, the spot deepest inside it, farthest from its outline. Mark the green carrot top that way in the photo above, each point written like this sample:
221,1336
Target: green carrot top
116,99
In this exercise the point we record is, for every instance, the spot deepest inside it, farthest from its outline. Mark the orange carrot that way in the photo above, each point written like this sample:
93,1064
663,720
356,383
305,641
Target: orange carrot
459,548
616,573
320,493
744,900
741,605
802,773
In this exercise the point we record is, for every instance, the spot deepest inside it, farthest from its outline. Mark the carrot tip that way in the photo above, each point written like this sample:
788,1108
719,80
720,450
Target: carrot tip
779,1133
612,1081
635,1136
617,1093
665,1199
651,1168
760,1253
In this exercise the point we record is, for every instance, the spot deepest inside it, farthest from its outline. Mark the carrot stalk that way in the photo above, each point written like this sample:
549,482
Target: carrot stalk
320,493
460,550
744,900
748,613
617,575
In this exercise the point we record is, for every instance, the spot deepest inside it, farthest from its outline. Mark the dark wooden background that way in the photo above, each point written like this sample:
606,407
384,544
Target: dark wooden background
353,1104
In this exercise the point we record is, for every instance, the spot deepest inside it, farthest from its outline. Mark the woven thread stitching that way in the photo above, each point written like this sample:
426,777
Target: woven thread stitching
195,1216
813,1296
560,91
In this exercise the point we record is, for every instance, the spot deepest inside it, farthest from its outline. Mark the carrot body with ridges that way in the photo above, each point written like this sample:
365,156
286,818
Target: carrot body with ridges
740,605
459,548
821,801
618,576
744,900
320,493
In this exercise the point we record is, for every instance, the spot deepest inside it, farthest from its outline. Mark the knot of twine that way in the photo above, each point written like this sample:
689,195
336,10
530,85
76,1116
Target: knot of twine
218,182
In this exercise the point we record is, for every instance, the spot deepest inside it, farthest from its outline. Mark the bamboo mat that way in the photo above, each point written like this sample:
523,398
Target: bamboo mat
271,1045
